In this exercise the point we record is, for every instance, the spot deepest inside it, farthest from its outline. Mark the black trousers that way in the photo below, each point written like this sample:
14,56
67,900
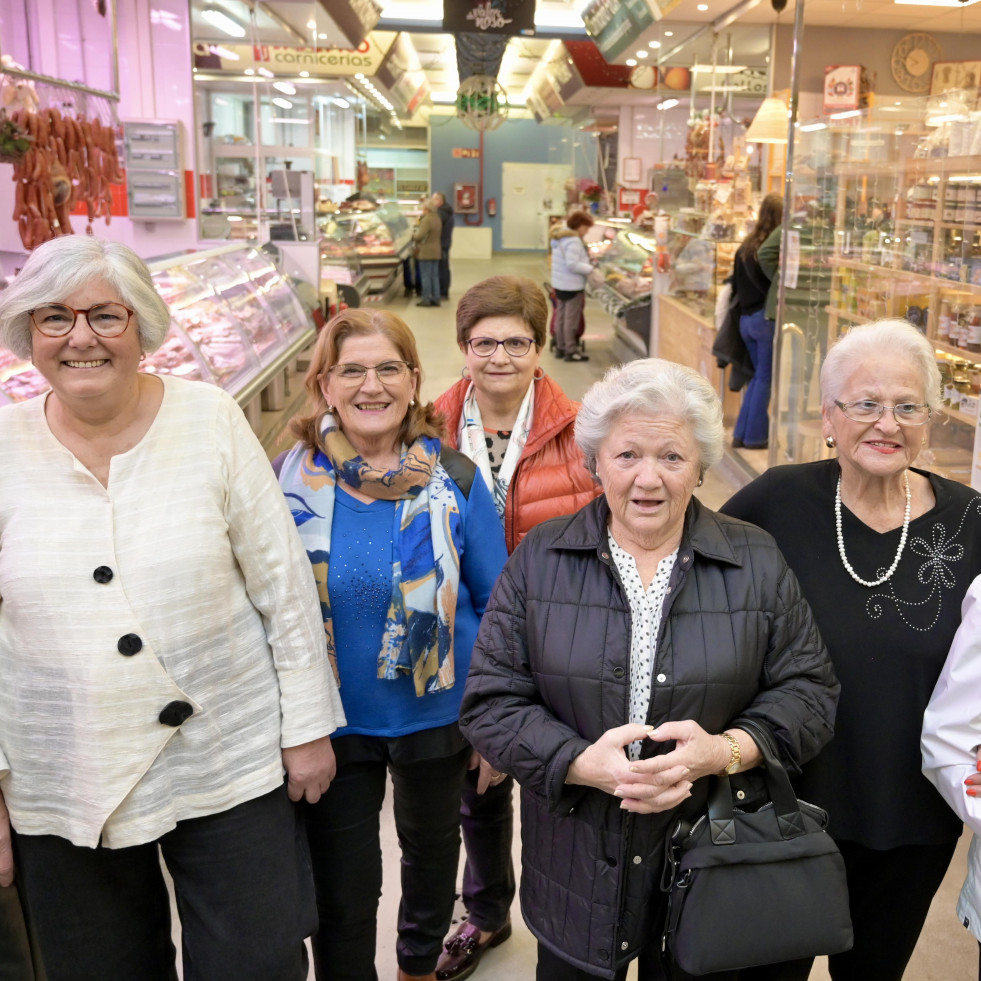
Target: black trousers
487,821
444,273
343,828
17,960
244,895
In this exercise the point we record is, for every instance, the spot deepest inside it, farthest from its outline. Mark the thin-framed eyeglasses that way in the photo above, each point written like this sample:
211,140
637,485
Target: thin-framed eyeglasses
516,347
58,319
388,371
905,413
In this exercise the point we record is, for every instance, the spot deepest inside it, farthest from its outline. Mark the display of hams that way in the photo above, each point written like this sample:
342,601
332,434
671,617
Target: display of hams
71,159
19,379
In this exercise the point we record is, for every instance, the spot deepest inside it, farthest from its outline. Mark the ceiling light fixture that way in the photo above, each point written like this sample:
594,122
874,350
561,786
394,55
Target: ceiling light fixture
813,127
669,33
630,62
769,125
282,103
223,21
225,53
265,73
846,114
304,74
287,88
341,103
654,44
702,7
667,104
642,54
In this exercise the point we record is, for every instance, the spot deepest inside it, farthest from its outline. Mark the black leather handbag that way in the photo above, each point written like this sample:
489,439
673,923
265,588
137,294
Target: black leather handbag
754,886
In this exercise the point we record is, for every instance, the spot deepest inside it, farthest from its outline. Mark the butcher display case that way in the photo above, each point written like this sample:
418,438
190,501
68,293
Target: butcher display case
380,239
19,379
625,256
236,320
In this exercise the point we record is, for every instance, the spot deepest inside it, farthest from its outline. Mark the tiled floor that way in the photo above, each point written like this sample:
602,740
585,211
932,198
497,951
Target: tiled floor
946,951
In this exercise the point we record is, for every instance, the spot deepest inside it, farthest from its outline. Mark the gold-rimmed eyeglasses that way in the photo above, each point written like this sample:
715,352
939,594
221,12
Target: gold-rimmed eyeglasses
905,413
58,319
387,371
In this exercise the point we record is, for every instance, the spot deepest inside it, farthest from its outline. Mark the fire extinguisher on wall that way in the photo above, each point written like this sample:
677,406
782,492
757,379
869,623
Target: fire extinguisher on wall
492,207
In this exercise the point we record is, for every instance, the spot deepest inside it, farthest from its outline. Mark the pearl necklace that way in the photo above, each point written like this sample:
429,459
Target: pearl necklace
902,538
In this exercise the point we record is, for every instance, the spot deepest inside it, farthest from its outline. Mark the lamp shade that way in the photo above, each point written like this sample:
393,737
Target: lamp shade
769,125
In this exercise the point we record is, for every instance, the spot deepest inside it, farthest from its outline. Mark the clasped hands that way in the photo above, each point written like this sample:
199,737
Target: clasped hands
650,785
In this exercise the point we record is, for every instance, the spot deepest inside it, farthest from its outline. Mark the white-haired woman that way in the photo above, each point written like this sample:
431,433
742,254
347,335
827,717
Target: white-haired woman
622,650
884,554
162,658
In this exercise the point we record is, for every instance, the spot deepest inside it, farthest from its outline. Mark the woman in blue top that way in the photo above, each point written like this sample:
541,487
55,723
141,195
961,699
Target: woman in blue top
405,546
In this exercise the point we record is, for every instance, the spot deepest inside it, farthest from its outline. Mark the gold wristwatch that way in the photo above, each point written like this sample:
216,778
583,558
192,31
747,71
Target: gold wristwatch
737,756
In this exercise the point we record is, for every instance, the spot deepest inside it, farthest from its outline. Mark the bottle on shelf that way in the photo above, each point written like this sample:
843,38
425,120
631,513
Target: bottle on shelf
974,329
943,322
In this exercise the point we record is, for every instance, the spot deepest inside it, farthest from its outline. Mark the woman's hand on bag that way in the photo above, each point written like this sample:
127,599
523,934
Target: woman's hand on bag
310,767
488,776
6,849
605,765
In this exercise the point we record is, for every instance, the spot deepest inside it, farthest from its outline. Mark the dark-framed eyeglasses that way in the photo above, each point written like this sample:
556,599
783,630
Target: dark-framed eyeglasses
905,413
58,319
388,371
516,347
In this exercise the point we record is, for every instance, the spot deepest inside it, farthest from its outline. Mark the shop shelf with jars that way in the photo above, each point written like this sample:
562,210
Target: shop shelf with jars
906,242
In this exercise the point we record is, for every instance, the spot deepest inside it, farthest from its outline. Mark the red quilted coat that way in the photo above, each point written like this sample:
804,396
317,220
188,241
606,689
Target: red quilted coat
551,478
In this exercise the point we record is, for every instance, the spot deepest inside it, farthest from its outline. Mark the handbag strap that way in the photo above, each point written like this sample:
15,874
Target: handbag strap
790,821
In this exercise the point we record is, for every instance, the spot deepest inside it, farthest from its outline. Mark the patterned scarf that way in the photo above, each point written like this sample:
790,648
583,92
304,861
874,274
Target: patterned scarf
427,535
473,443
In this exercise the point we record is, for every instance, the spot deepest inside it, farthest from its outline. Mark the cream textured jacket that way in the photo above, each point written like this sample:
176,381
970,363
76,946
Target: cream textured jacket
160,639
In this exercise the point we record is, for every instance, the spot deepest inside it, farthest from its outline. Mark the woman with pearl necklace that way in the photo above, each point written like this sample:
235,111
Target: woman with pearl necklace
884,553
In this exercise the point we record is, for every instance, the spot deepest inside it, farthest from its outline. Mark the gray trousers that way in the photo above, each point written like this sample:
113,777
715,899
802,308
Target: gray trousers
568,314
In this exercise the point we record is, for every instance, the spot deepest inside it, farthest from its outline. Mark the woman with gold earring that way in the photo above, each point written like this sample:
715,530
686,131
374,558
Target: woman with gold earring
516,424
885,553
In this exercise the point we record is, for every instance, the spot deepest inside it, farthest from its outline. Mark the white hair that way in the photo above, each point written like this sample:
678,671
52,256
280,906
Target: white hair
651,387
867,344
67,264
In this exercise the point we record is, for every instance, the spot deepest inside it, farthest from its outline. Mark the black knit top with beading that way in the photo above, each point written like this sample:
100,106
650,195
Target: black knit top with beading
888,643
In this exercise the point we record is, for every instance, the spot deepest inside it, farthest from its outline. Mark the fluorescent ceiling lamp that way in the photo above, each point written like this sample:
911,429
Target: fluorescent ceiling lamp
719,69
847,114
265,73
813,127
667,104
223,21
225,53
282,103
947,117
769,125
341,103
654,44
287,88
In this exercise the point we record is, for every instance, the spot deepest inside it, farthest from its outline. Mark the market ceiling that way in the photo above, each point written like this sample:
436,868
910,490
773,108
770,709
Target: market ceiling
287,22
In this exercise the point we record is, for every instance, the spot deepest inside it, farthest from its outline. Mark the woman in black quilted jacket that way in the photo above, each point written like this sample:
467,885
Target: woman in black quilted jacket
620,651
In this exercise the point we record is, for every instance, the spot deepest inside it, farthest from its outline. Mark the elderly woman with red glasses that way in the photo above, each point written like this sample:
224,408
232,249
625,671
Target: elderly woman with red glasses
885,553
517,425
162,658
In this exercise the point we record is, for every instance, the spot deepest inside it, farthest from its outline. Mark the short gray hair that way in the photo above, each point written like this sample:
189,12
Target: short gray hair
865,344
651,387
69,263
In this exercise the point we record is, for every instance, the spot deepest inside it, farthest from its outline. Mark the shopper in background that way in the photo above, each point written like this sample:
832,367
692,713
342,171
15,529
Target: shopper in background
426,237
570,267
445,213
162,660
951,737
884,553
405,545
750,284
564,693
516,424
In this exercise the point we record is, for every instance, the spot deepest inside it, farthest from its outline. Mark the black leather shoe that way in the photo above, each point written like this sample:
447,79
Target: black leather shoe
462,952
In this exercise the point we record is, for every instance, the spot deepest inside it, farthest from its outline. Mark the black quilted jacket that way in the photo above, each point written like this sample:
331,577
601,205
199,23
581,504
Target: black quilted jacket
550,674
